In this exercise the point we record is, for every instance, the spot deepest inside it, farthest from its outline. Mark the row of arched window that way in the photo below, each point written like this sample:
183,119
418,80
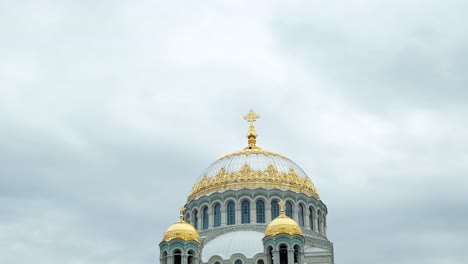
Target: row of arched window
245,211
178,256
238,261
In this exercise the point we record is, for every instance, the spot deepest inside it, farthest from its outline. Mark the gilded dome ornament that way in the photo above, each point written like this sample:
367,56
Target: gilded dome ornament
253,167
181,230
251,117
283,224
248,177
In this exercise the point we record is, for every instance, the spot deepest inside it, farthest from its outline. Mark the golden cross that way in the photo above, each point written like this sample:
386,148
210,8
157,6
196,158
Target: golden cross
251,117
182,209
281,204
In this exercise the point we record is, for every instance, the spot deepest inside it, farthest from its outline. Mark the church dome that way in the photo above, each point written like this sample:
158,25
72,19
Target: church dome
283,225
253,167
247,242
181,230
251,206
257,159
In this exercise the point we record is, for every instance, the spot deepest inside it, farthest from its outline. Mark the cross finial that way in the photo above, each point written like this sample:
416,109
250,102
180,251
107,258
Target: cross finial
181,209
281,204
251,117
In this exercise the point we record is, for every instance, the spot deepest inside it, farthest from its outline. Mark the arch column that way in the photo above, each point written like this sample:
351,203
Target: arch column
210,217
294,211
197,218
290,256
223,216
170,259
324,225
276,257
315,222
306,218
267,212
267,258
253,213
300,257
184,258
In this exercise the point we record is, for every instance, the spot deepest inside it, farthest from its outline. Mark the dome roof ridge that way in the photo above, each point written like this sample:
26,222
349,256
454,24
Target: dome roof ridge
250,151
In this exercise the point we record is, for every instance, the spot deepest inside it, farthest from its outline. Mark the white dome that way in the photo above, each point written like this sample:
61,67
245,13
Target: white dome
256,159
253,168
248,243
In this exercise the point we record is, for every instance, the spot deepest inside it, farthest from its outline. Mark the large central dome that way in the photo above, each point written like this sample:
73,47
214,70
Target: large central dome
251,206
257,159
253,167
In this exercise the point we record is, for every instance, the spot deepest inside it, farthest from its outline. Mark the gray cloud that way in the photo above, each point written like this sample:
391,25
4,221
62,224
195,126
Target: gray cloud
395,53
108,108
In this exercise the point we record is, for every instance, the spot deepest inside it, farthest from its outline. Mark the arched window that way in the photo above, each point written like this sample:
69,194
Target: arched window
260,261
190,256
238,261
297,249
324,223
274,209
270,255
195,219
164,257
260,212
231,213
319,220
283,254
311,217
289,209
205,218
217,215
217,262
177,257
245,212
300,215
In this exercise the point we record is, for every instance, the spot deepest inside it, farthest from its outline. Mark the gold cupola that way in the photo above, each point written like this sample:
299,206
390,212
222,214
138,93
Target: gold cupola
283,225
181,230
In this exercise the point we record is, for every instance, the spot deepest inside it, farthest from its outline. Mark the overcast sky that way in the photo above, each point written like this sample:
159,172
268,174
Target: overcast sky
110,110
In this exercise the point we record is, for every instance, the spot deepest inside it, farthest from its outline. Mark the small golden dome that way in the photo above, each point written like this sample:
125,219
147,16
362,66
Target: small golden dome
283,225
181,230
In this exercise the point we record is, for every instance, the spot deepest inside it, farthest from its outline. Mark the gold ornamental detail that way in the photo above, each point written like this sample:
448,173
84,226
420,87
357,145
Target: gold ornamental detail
251,117
283,224
256,151
181,230
248,177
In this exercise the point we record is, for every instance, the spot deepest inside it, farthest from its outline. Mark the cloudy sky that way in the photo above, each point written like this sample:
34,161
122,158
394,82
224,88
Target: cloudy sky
110,110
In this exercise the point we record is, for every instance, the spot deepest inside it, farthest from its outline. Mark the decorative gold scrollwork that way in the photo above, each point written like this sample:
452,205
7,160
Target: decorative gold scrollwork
248,177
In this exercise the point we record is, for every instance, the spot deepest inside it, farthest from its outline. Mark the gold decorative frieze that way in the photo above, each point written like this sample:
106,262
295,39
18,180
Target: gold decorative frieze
252,151
248,177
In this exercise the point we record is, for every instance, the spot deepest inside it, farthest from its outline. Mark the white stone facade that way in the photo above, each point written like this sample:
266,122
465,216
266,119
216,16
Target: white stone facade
223,242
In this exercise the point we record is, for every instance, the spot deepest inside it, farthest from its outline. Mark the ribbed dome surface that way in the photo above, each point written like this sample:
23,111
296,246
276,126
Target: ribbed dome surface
253,168
256,159
248,243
